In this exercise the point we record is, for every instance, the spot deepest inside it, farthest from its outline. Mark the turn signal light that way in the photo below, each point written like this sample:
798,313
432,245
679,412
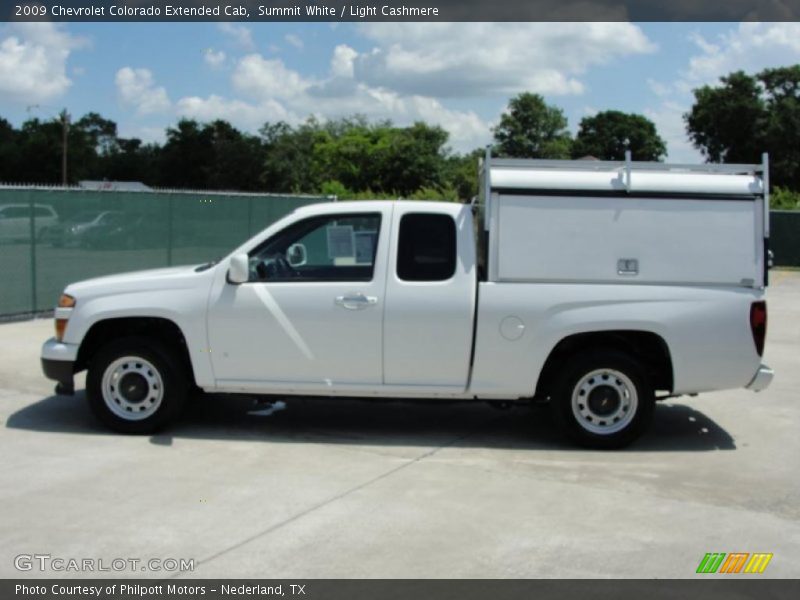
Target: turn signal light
61,325
66,301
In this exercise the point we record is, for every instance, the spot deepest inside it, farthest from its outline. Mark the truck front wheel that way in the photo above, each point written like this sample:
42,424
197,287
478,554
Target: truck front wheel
603,399
135,385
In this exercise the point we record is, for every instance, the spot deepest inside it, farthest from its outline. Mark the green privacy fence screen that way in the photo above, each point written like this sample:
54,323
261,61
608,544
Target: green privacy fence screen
784,237
50,237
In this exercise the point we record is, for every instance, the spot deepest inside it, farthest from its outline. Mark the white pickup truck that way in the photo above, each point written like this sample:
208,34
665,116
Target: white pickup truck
598,287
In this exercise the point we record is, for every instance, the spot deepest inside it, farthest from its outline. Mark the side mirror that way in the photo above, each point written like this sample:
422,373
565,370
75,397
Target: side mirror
239,269
296,255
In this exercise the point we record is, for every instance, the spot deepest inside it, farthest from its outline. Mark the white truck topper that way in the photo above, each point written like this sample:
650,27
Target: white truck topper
588,221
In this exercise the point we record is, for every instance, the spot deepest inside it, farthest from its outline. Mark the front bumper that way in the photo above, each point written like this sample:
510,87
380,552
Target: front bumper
58,364
762,379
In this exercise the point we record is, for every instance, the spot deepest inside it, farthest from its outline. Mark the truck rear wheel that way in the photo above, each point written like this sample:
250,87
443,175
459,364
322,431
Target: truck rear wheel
134,385
603,399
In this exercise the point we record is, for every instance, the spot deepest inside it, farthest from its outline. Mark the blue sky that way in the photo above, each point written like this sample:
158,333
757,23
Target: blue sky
459,75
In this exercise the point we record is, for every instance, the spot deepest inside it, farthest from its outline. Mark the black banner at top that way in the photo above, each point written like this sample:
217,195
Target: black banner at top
254,11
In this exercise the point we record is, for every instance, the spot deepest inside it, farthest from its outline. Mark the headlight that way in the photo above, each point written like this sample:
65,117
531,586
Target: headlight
66,301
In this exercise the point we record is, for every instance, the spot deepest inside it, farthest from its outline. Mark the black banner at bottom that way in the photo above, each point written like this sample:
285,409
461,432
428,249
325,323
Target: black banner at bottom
718,588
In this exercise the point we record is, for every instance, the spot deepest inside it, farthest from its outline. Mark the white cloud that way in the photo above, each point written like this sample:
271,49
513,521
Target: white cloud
476,59
294,40
749,47
467,130
261,77
148,135
214,58
410,70
668,119
240,34
33,61
137,88
342,61
279,93
242,114
413,66
659,88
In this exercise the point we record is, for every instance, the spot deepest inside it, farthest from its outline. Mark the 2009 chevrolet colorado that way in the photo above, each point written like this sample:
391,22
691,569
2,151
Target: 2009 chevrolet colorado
594,285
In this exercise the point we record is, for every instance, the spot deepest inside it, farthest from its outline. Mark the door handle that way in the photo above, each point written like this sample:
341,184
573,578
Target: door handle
355,301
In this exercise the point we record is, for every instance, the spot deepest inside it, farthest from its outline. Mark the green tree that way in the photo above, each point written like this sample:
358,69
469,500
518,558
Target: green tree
724,122
608,134
747,115
130,160
100,132
531,128
236,158
351,157
8,151
288,154
414,158
356,154
210,156
783,199
461,174
186,158
782,124
351,152
39,152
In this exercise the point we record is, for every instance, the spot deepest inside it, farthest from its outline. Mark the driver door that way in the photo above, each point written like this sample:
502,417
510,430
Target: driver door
310,317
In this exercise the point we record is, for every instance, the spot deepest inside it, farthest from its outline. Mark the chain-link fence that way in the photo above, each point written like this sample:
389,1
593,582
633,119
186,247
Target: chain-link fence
50,237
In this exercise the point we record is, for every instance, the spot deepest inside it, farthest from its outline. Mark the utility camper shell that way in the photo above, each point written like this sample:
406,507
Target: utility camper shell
624,222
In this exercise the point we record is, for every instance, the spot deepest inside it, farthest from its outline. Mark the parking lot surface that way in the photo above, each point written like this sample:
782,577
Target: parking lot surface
338,488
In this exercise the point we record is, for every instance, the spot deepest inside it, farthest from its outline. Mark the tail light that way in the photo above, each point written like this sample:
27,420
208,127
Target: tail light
758,325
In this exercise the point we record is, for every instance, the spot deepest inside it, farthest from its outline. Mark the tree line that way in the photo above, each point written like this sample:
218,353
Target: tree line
734,121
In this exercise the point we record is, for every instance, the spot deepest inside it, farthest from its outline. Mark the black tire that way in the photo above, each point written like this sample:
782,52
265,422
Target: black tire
157,369
599,417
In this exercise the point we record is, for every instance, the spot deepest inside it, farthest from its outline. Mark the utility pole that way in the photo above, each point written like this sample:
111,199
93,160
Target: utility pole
64,145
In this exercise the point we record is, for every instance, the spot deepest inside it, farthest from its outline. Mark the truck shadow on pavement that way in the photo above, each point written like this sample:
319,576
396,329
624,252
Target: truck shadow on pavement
676,427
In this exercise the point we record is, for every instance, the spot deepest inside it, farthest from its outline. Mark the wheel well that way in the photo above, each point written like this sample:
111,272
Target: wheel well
155,328
646,346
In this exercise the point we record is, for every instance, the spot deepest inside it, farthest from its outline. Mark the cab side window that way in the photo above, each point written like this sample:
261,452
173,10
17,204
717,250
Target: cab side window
324,248
426,248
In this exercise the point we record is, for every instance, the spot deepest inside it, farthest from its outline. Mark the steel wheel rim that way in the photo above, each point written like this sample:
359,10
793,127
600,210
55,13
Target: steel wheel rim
132,388
591,405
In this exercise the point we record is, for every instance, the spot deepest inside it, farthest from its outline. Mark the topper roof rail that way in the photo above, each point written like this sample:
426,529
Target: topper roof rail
628,177
611,165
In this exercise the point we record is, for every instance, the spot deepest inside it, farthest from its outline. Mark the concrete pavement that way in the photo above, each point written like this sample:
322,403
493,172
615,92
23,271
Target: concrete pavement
327,488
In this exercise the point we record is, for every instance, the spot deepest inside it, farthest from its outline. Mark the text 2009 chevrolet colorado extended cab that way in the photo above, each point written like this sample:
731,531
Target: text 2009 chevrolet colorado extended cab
592,285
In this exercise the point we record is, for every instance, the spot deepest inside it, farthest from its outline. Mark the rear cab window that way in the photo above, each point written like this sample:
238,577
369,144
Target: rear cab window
426,249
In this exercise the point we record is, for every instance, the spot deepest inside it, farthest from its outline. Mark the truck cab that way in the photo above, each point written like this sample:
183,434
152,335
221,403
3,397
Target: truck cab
355,298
